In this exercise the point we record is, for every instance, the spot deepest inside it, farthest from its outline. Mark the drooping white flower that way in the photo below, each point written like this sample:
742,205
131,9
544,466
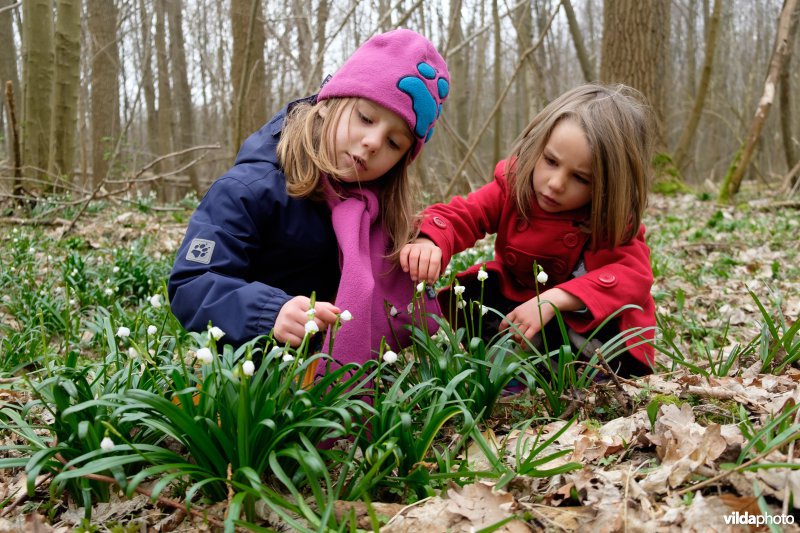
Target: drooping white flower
482,275
108,291
459,290
151,329
393,311
287,357
484,310
311,327
204,355
460,304
389,357
155,300
106,444
132,352
248,368
115,269
410,308
216,333
420,287
346,316
542,277
123,332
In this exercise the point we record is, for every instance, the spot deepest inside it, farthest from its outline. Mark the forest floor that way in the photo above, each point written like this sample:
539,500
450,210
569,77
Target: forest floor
704,444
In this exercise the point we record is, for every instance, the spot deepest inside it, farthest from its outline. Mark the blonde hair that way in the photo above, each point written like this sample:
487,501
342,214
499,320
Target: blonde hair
304,157
618,125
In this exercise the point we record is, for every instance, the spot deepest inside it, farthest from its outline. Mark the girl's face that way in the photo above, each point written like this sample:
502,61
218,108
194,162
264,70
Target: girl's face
562,176
368,141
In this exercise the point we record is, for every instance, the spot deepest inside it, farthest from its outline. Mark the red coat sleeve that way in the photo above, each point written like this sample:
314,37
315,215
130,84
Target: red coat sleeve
457,225
615,277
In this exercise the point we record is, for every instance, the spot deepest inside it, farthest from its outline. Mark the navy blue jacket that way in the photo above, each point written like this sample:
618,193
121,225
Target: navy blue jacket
250,247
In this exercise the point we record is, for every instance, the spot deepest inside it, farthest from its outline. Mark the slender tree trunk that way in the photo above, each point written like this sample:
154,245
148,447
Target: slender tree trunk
66,88
323,12
587,67
8,66
166,112
687,135
104,104
148,80
785,98
37,43
741,162
498,84
180,84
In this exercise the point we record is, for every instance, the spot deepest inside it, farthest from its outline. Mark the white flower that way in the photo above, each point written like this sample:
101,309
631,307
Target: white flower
311,327
420,287
390,357
287,357
31,250
123,332
482,275
204,355
132,352
151,329
393,311
310,313
248,368
155,300
484,310
108,291
216,333
460,304
106,444
346,316
542,277
410,308
115,269
459,290
73,273
72,301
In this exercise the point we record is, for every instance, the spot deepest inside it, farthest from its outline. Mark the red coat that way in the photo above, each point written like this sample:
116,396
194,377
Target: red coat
615,277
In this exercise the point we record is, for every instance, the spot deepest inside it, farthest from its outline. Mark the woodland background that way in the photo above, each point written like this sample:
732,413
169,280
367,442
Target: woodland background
110,96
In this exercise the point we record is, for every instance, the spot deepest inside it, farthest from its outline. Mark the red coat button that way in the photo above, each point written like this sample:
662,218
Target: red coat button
570,240
607,279
511,259
439,222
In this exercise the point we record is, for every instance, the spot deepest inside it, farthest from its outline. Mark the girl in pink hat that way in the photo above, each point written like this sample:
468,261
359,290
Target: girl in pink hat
318,201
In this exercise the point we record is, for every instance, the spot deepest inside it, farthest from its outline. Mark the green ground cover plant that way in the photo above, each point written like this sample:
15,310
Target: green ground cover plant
102,392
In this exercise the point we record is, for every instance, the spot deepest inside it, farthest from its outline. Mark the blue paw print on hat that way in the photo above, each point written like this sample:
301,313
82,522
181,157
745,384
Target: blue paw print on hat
424,103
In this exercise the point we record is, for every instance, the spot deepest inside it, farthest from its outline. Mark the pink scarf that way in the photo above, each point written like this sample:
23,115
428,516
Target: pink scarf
372,287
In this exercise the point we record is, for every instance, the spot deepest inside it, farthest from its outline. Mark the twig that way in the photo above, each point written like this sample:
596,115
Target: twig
24,496
614,378
161,499
725,474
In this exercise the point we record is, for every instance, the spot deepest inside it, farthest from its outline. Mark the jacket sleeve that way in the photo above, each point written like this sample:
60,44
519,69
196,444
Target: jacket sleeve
210,280
615,277
457,225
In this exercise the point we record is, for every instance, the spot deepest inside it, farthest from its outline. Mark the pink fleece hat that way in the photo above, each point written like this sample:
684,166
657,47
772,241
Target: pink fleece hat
400,70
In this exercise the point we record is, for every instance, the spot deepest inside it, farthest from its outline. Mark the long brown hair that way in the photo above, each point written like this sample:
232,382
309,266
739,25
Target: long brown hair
304,158
618,125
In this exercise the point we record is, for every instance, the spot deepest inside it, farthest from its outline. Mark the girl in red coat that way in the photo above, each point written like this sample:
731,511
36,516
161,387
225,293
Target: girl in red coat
570,197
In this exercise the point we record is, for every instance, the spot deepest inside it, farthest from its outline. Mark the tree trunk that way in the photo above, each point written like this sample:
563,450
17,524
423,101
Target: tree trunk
180,84
635,47
104,105
8,67
687,135
148,81
587,67
498,84
66,89
785,98
323,12
733,179
247,69
37,44
166,112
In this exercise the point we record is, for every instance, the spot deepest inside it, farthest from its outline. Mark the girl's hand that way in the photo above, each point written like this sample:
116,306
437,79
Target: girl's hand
530,317
290,326
527,319
422,259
